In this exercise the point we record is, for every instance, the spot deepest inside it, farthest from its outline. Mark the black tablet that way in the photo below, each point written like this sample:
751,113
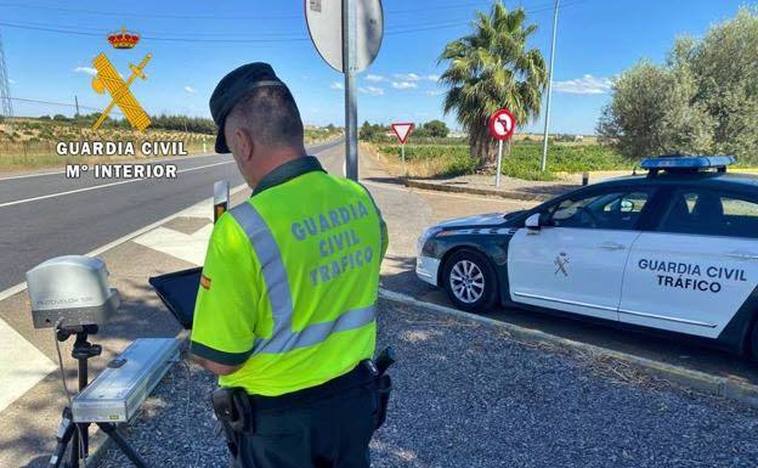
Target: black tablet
178,291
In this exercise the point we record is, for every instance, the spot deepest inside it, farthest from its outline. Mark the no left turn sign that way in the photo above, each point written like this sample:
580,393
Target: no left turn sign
502,125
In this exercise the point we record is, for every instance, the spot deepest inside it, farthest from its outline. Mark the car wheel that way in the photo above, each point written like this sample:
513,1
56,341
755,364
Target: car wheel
470,281
754,342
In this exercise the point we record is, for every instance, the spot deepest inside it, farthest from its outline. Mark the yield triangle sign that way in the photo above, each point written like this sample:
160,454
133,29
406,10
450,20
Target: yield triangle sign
403,130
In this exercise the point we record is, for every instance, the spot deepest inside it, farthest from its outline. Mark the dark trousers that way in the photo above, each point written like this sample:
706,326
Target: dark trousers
333,432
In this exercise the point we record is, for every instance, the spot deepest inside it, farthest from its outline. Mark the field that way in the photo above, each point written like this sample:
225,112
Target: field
523,162
450,158
27,143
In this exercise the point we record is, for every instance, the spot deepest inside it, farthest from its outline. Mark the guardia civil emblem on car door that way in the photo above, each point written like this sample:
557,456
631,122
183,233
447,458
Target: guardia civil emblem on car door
561,264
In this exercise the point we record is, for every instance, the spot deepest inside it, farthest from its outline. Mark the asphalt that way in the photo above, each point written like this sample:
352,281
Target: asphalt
34,230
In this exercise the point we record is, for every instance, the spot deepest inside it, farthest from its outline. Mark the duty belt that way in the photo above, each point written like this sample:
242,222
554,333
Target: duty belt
235,409
365,373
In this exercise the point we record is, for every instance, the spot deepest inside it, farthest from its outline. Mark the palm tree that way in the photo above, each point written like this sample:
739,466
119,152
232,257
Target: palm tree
492,68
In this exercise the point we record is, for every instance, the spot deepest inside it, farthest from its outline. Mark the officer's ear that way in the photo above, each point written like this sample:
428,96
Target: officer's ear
243,143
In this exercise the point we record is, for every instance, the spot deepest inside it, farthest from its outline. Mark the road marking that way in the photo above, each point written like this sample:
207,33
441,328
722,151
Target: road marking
159,160
102,186
27,176
188,247
22,363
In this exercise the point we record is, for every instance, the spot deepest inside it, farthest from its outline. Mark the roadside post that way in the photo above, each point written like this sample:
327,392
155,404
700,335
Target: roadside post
347,35
502,124
402,131
220,199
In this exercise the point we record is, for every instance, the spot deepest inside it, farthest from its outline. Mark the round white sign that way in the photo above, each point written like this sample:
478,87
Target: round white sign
502,124
324,18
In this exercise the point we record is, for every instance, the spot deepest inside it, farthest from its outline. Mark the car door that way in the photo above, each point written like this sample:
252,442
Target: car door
575,261
696,269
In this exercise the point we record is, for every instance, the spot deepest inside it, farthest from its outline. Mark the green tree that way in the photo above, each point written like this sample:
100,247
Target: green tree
492,68
704,99
653,111
371,132
436,129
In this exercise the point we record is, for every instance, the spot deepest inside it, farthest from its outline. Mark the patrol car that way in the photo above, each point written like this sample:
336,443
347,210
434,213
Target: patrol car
675,250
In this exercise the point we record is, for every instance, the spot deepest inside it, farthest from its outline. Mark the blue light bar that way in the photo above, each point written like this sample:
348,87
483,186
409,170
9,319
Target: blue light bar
687,162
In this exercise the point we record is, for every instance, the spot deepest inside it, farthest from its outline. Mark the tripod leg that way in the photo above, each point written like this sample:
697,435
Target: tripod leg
127,449
62,437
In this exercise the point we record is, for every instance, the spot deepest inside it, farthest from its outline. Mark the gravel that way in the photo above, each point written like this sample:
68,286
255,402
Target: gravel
467,395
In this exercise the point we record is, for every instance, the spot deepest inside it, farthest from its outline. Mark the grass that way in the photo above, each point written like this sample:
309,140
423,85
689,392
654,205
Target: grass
29,144
523,162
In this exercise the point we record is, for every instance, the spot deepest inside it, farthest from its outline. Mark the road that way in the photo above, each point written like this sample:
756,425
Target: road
48,215
72,221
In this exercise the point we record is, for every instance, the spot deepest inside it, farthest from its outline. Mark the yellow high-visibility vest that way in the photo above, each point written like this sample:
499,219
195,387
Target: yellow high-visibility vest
290,282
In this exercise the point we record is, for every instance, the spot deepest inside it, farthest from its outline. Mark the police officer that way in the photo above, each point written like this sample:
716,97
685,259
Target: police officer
285,312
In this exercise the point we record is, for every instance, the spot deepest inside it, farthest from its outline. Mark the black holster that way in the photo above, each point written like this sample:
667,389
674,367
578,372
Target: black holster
383,388
383,383
235,414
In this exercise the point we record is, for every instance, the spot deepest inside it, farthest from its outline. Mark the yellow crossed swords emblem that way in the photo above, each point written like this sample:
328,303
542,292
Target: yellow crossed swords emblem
107,78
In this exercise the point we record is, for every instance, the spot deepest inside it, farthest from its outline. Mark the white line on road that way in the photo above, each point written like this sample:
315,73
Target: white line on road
33,174
102,186
22,363
147,161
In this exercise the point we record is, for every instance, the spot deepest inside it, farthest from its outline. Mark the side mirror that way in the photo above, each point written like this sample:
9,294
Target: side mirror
533,221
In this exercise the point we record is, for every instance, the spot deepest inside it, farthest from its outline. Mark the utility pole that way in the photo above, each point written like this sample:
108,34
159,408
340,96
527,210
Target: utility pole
543,165
76,102
349,59
6,108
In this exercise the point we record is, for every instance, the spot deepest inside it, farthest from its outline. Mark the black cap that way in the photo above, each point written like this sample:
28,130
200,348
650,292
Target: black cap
234,87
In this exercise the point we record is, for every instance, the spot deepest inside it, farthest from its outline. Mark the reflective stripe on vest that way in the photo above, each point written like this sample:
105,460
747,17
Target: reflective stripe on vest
283,339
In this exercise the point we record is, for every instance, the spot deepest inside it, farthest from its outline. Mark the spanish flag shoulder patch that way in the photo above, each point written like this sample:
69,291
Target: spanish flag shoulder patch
205,282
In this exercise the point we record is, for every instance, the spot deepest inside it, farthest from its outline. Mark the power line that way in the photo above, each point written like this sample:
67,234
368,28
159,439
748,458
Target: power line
437,6
152,38
61,104
135,15
272,38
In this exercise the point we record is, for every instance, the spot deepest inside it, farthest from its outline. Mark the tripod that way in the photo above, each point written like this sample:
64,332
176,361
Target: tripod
78,433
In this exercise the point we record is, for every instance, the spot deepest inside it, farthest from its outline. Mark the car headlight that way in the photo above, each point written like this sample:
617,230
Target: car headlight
425,236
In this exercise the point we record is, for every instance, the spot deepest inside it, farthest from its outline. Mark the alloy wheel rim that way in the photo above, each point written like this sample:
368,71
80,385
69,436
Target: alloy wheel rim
467,281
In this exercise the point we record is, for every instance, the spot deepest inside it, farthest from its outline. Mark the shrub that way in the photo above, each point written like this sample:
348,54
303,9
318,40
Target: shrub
523,162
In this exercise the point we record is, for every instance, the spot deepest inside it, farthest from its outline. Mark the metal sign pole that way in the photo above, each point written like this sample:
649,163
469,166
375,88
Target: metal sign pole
499,162
543,162
349,36
402,156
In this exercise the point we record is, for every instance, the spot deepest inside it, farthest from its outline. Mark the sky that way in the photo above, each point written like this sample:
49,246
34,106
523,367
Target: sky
49,47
